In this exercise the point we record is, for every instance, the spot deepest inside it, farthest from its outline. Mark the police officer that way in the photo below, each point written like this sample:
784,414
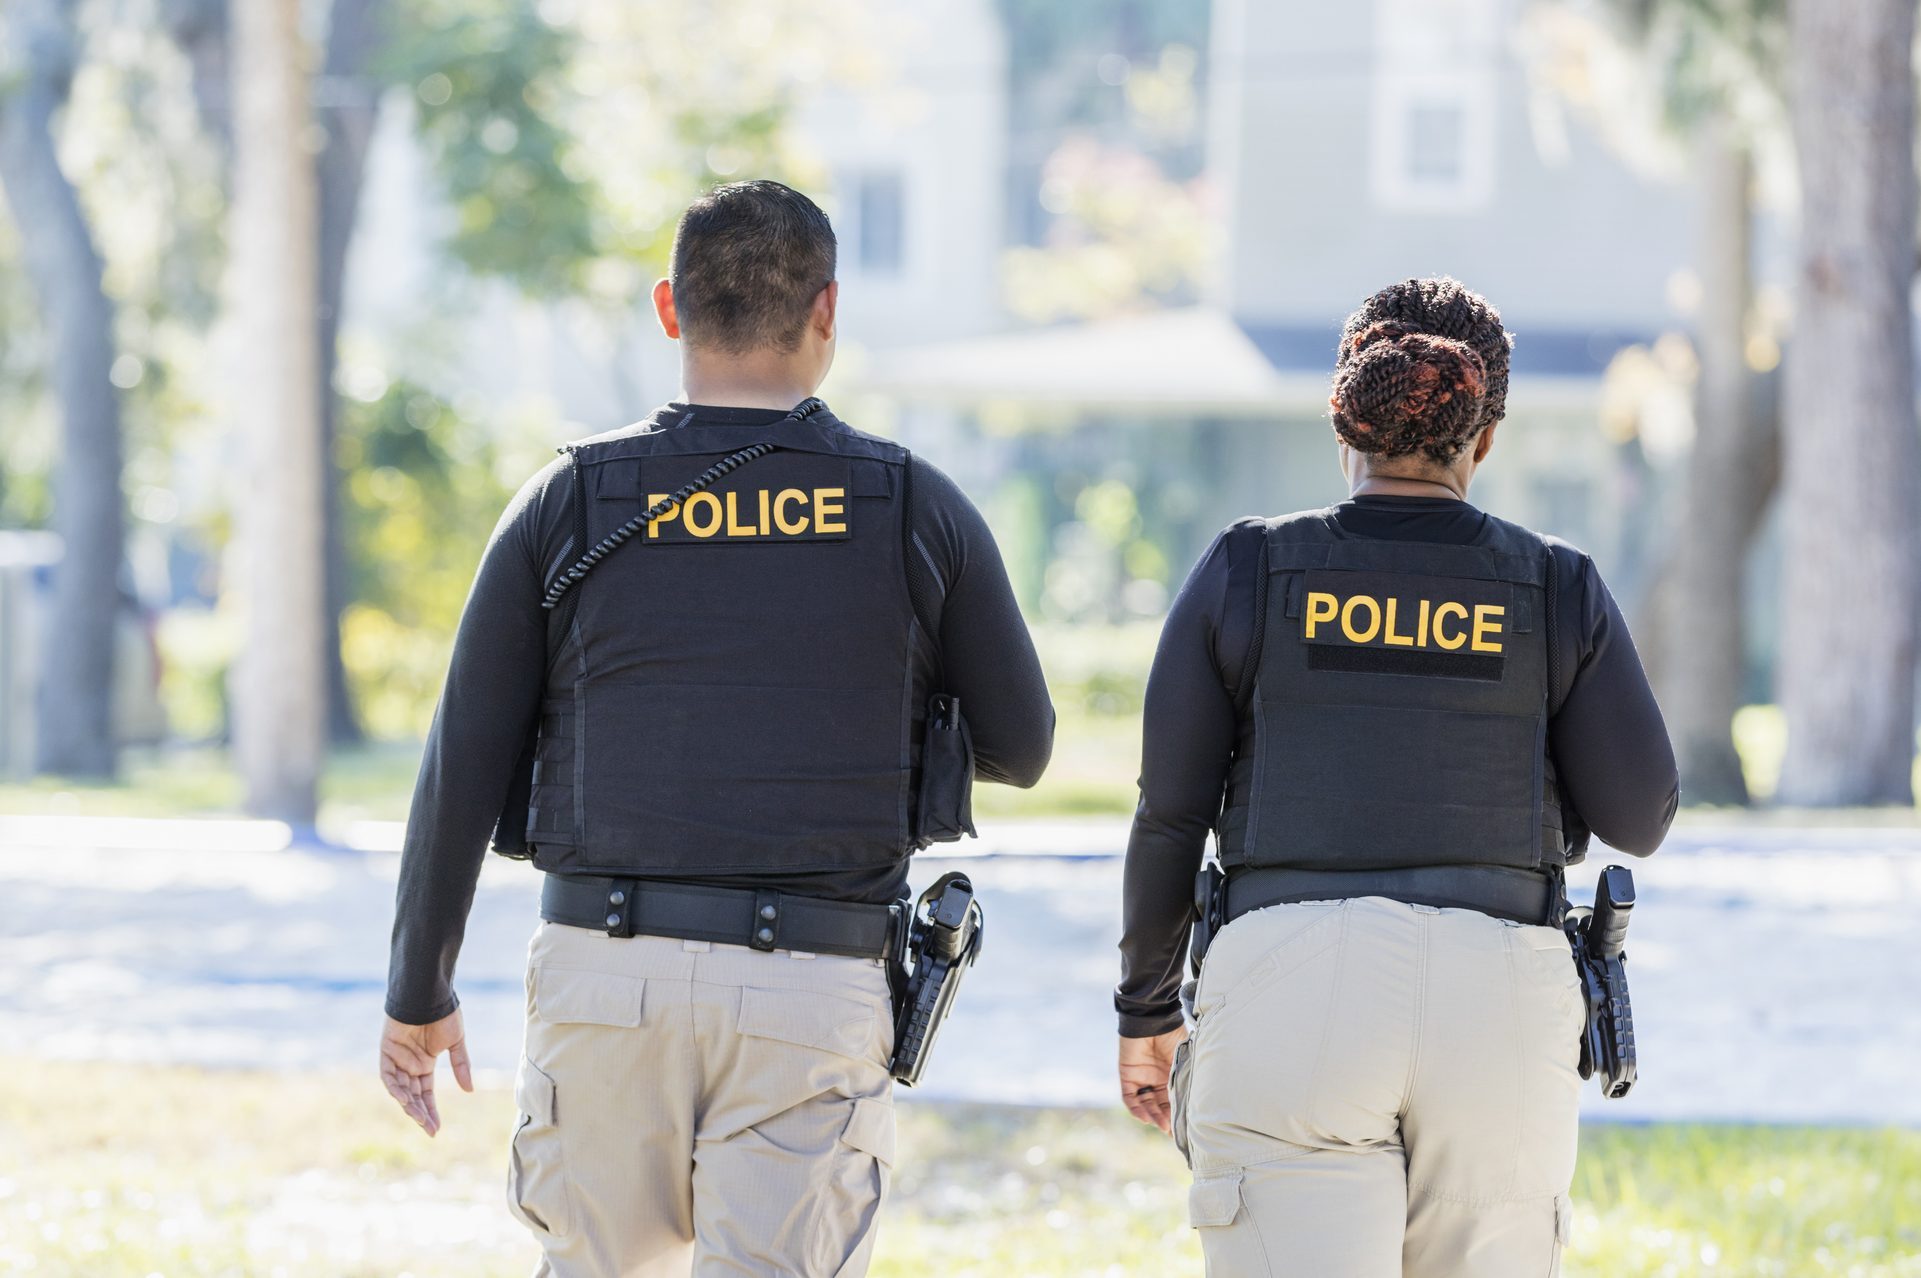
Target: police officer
1401,717
723,713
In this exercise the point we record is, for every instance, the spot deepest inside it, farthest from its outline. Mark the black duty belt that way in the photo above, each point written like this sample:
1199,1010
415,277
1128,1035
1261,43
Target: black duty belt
760,918
1522,896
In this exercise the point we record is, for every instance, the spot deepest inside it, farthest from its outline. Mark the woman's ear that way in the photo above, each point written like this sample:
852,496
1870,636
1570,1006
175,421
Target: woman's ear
1484,443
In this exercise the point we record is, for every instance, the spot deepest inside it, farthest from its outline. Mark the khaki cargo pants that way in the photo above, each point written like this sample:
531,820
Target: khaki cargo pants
1376,1089
696,1109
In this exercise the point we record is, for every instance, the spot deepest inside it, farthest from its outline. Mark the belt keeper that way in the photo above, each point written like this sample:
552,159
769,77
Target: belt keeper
765,935
900,931
620,908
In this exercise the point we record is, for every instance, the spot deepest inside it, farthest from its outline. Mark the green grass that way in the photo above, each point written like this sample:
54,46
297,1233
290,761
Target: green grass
119,1171
1096,758
1095,675
373,782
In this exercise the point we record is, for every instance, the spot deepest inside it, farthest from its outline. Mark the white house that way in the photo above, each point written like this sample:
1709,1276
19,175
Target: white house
1351,145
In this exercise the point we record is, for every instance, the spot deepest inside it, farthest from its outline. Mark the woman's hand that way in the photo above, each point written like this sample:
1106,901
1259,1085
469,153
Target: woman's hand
1145,1064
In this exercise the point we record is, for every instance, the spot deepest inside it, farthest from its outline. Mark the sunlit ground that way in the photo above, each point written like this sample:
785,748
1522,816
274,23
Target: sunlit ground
111,1171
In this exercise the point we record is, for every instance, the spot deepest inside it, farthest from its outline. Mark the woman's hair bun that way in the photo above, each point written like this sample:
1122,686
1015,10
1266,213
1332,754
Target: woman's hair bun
1399,390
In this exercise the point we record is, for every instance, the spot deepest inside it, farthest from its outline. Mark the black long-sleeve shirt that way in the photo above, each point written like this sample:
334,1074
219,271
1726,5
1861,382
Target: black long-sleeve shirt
1614,763
498,672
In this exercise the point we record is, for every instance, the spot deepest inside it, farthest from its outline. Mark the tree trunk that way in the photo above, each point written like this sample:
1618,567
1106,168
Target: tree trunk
280,693
74,719
1851,589
1730,478
349,108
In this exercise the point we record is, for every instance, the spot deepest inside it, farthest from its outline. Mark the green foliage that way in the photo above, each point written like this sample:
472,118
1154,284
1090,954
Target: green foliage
1123,237
489,91
1713,57
1638,69
1110,95
197,649
28,433
420,495
148,184
1051,33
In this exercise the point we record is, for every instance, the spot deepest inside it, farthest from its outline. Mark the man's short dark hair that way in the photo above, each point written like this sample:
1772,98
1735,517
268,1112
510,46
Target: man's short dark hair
749,259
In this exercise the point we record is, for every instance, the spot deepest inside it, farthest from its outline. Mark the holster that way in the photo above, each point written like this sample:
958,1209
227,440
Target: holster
946,808
1597,936
944,938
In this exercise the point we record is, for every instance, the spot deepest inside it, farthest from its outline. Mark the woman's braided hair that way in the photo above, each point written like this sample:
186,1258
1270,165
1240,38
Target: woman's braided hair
1422,368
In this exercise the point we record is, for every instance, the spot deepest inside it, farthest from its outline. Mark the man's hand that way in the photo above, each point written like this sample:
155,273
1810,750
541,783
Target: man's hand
1145,1065
407,1056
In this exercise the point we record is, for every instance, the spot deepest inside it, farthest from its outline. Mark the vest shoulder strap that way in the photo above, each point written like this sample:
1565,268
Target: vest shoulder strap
1312,540
1483,563
909,552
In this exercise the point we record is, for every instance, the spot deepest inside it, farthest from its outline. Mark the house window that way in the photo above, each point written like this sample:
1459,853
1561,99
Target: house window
879,223
1435,148
1434,114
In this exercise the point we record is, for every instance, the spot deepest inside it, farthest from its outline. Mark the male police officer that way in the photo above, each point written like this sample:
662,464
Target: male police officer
725,721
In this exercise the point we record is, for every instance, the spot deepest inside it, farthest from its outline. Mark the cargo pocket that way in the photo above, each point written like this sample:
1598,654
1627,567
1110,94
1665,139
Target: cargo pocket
1563,1233
537,1175
844,1026
1214,1201
1177,1089
575,996
863,1160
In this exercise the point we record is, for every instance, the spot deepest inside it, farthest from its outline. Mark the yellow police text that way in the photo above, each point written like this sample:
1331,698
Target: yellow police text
762,512
1446,624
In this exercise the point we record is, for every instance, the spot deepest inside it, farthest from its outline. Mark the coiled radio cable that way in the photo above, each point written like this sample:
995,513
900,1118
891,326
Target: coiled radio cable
575,573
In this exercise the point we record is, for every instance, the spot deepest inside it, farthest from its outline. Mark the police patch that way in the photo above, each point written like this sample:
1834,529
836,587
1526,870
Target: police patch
1391,623
784,496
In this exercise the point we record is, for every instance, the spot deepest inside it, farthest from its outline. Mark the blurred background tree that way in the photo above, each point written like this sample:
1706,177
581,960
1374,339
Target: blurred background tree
39,52
549,144
1697,83
1851,593
280,685
493,92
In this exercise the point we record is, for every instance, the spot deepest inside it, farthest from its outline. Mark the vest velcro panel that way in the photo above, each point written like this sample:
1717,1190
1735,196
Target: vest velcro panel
745,689
1399,706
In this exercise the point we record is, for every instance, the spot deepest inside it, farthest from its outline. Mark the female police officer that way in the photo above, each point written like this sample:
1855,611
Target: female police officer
1402,717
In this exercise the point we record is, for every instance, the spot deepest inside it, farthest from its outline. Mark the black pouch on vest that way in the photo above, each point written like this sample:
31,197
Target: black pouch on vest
946,775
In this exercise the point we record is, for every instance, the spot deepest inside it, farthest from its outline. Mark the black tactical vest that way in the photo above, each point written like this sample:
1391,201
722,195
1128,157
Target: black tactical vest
737,689
1399,705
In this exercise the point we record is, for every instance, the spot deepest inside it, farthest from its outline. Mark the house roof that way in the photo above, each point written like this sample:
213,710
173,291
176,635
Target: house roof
1169,358
1189,359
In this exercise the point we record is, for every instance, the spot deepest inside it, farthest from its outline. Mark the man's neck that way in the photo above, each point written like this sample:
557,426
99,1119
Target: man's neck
743,383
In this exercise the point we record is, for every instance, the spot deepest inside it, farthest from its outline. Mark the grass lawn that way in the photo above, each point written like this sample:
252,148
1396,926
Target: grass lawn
1096,760
113,1171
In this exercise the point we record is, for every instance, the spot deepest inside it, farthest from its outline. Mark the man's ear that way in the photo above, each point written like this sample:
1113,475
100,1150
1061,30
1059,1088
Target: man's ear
664,308
822,317
1484,443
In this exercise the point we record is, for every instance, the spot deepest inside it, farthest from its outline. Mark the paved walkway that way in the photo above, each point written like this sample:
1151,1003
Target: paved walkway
1774,970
